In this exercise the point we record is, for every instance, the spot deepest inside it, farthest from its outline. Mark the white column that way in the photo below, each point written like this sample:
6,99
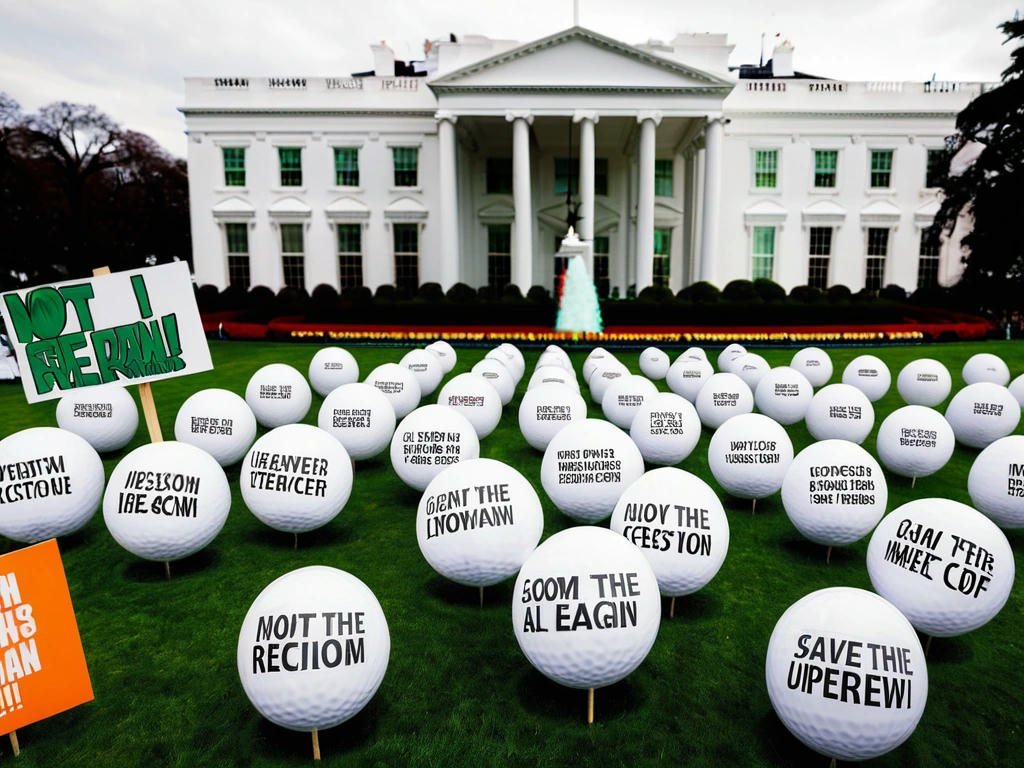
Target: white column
587,120
645,201
712,197
448,262
522,236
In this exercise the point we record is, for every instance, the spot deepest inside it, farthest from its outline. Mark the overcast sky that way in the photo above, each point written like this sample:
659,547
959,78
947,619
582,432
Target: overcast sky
129,56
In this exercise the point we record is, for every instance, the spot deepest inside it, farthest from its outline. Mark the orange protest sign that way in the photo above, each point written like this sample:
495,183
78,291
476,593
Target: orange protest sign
42,664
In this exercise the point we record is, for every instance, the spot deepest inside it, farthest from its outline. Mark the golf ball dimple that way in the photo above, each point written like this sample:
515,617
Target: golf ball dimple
546,409
665,428
924,382
840,411
218,421
749,455
814,363
330,368
428,440
278,394
982,413
105,415
360,417
399,385
723,396
915,441
868,374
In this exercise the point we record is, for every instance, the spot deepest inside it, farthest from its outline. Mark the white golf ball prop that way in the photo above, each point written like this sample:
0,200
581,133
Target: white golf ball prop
515,357
360,417
546,409
602,376
985,366
915,441
784,394
723,396
749,455
445,353
665,428
586,467
296,478
399,385
426,367
834,492
497,374
944,564
846,673
694,353
106,416
508,360
586,607
924,382
165,501
840,411
218,421
429,440
868,374
814,363
553,374
553,360
679,524
51,485
598,356
313,648
624,397
478,521
654,363
982,413
728,356
330,368
996,481
278,394
751,368
1017,389
475,398
686,376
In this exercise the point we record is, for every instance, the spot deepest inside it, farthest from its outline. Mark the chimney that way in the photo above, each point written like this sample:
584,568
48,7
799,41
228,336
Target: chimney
383,60
782,60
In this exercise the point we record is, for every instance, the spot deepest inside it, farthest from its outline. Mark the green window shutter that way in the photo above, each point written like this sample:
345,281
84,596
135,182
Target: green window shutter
291,166
766,166
234,166
346,166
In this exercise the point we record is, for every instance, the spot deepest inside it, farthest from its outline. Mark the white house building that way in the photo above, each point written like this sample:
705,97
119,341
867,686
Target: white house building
456,169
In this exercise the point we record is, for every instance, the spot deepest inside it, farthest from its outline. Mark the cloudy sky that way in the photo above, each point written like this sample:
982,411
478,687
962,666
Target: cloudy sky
129,56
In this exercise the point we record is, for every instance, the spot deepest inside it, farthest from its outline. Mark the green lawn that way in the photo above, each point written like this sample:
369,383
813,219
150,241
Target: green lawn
458,691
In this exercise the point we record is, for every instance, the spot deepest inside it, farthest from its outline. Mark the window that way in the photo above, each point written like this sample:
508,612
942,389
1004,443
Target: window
820,251
663,178
499,175
928,260
293,256
291,166
881,168
405,159
350,255
933,176
601,278
407,257
346,166
825,162
878,249
662,256
766,168
238,254
234,166
499,255
763,253
564,168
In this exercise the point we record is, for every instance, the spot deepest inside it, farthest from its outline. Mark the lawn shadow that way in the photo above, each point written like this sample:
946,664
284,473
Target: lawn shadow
72,541
780,747
319,538
553,701
449,592
141,571
293,747
947,650
696,607
810,552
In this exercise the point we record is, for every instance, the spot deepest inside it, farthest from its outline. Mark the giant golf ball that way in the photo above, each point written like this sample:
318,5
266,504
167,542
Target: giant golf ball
784,394
982,413
597,356
218,421
313,648
278,394
693,353
1017,389
330,368
478,521
515,358
586,467
445,353
475,398
924,382
846,673
296,478
166,501
728,356
944,564
51,482
624,397
602,376
654,363
840,411
751,368
868,374
665,428
553,374
105,416
498,376
915,441
429,440
426,367
686,376
546,409
723,396
399,385
679,524
749,455
985,366
834,492
996,481
814,363
360,417
586,607
553,360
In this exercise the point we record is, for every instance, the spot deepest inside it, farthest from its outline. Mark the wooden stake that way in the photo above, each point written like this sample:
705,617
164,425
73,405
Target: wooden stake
927,645
316,745
14,743
913,482
295,541
672,609
481,597
590,705
832,764
828,556
753,506
167,568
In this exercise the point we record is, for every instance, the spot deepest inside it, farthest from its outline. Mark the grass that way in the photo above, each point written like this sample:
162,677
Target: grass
458,691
